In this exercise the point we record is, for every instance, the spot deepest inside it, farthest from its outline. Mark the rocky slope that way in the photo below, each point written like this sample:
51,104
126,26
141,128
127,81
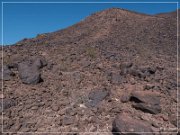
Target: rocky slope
115,71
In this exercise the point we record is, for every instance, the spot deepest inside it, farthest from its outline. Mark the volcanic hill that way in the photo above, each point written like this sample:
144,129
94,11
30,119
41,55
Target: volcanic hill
115,71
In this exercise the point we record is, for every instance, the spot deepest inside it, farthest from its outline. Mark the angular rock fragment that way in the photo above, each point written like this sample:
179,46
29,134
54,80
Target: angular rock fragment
114,77
141,72
68,120
96,96
125,98
125,125
146,101
146,97
147,108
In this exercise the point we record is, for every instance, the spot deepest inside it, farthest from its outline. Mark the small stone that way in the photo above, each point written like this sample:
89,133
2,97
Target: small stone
77,77
99,66
71,111
2,96
25,129
82,106
55,107
116,110
116,78
40,104
92,129
96,96
148,86
34,108
58,121
65,92
62,112
68,120
126,65
132,81
125,98
74,129
154,124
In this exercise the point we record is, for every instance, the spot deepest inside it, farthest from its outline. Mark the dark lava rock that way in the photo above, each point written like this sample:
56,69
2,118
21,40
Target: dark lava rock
7,103
70,111
7,73
148,71
146,101
110,55
135,71
145,97
29,74
126,65
147,108
96,96
142,72
124,123
116,78
68,120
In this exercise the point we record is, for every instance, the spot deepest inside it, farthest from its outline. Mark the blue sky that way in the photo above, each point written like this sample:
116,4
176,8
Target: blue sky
27,20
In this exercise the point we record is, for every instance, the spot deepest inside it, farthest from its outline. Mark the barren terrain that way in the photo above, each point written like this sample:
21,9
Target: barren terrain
115,71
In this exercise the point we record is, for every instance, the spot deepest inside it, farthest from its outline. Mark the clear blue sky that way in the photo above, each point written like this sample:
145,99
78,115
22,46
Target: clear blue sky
28,20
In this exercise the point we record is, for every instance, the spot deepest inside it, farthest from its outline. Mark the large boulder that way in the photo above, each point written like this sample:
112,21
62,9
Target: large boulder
29,74
29,71
125,125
